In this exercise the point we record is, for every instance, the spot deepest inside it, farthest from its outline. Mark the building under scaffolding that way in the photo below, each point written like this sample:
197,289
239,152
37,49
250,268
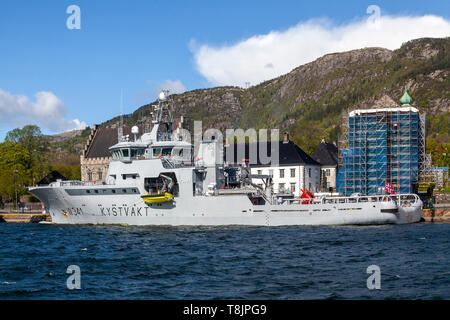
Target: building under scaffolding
379,145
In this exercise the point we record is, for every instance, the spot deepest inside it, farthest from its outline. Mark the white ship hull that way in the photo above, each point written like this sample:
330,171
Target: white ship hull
410,214
205,190
212,211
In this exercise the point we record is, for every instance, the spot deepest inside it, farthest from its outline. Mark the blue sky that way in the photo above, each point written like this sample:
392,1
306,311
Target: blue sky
138,46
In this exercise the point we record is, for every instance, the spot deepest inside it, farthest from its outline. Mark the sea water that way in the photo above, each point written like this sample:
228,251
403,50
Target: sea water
234,262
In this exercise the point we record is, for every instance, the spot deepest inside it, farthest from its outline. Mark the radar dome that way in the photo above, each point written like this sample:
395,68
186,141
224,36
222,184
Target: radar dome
162,96
135,130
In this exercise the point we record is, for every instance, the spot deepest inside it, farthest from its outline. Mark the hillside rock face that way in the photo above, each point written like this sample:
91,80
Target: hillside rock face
310,100
62,137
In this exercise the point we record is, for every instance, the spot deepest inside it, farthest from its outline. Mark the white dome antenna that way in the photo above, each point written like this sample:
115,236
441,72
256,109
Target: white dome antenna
135,131
162,95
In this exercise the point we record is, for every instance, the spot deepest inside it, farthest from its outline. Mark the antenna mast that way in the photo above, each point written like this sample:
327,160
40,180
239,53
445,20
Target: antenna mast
120,127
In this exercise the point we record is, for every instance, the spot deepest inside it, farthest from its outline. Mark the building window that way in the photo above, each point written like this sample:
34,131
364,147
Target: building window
292,173
259,171
89,176
292,187
281,173
309,173
310,186
327,172
100,175
281,187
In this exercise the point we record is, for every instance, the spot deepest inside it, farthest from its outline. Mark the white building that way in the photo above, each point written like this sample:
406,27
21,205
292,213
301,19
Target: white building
296,170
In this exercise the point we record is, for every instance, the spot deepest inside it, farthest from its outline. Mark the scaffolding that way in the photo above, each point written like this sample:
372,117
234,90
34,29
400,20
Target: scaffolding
379,145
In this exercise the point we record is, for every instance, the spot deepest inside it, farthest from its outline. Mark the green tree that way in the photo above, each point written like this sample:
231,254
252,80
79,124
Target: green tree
30,137
14,170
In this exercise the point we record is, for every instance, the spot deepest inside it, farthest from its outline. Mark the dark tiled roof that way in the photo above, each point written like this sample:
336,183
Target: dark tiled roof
326,154
51,177
105,138
290,154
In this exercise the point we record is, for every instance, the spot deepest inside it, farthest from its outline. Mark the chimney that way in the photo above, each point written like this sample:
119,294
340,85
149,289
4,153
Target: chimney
286,137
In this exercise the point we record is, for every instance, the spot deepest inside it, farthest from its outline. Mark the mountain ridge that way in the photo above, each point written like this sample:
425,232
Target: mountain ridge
310,100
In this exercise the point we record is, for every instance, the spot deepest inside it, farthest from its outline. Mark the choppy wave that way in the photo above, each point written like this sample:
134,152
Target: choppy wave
118,262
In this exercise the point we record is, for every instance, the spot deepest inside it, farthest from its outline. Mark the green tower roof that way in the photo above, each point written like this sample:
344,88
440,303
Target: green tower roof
406,100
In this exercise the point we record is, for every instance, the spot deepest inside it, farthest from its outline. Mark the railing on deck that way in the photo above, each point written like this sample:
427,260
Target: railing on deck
406,200
340,200
173,164
72,183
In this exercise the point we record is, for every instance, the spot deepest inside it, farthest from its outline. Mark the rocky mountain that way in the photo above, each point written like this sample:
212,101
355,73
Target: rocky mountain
310,100
66,147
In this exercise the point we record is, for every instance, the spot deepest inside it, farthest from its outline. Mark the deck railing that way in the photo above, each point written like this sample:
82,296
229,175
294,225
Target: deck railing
340,200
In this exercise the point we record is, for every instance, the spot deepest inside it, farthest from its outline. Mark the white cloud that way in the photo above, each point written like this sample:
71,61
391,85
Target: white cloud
47,111
154,89
263,57
174,87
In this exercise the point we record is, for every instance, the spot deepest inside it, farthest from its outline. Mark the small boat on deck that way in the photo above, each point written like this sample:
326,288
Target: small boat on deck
157,198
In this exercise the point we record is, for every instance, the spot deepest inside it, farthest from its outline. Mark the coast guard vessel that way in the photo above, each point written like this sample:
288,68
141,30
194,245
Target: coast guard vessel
156,180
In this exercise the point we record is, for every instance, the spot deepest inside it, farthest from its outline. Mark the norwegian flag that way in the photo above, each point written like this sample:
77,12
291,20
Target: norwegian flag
389,188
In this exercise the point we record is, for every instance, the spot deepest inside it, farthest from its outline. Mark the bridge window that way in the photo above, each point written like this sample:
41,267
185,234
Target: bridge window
137,152
157,152
166,151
